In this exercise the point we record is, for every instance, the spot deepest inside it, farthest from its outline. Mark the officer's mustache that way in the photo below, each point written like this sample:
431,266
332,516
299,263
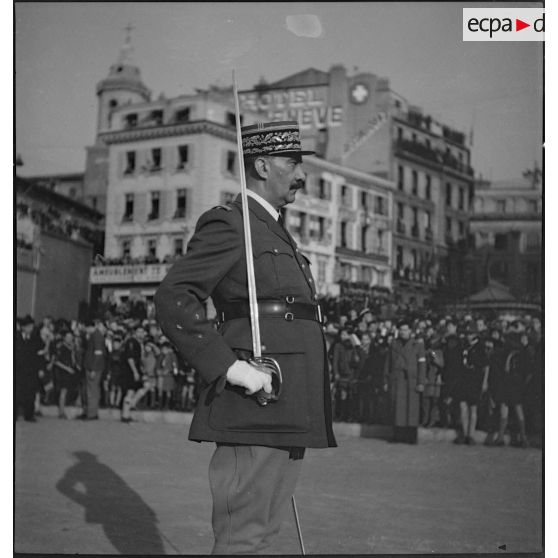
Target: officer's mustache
297,185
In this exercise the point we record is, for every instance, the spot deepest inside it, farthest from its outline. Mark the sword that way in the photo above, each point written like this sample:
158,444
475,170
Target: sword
264,364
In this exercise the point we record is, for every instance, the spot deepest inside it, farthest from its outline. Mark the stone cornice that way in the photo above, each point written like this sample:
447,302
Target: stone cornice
169,130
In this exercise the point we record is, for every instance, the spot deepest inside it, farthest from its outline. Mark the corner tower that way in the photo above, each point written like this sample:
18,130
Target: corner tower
122,86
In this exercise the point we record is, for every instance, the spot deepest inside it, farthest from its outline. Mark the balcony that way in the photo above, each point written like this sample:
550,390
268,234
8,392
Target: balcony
129,273
435,157
412,276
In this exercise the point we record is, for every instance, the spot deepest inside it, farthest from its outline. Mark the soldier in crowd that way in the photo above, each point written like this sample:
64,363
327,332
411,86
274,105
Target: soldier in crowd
259,448
452,351
405,368
345,364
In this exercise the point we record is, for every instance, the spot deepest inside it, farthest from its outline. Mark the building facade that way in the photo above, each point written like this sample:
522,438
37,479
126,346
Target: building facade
508,235
359,122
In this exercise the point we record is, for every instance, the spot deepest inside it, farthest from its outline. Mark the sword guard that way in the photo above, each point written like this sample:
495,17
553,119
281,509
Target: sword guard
270,366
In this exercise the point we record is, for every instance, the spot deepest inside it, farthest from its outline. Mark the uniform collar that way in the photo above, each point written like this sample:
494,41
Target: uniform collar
265,204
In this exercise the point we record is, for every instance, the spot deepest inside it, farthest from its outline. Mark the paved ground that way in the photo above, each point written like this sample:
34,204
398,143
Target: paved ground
104,487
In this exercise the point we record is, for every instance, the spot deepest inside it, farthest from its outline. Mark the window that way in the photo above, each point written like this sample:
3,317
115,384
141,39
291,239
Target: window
152,247
113,103
345,198
461,226
324,189
364,200
94,202
343,239
400,177
428,187
414,138
131,120
182,156
399,257
500,241
130,162
180,204
72,192
231,159
380,240
399,133
156,116
501,206
427,220
178,246
156,159
414,190
154,213
448,226
126,248
129,207
533,206
230,119
415,217
428,144
533,241
183,115
461,203
400,210
364,238
414,257
448,194
380,206
227,197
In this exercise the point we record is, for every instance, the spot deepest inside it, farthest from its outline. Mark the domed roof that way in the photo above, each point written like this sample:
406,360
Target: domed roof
125,74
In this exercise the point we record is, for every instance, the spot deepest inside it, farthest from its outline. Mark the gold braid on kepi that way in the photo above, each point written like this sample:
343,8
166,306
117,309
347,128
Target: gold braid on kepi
272,138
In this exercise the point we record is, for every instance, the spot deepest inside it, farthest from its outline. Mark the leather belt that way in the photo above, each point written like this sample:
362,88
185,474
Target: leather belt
288,310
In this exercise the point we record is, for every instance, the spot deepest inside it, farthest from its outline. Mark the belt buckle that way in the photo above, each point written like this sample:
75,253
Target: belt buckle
289,299
289,316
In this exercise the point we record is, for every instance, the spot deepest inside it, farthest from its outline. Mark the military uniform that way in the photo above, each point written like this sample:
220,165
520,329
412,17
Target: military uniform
255,443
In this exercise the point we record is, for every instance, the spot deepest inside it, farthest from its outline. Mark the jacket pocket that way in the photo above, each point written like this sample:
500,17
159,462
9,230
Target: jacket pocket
235,411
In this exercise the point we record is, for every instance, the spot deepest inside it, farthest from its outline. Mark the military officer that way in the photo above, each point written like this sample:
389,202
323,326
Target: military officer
405,370
259,449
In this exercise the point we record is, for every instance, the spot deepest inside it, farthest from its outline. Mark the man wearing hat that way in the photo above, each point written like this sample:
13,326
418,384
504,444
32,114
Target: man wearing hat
405,370
254,469
28,362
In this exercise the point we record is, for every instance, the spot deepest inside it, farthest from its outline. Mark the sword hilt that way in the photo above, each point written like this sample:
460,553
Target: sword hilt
269,366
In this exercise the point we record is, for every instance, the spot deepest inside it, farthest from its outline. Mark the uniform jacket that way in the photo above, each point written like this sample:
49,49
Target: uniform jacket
215,265
405,369
28,359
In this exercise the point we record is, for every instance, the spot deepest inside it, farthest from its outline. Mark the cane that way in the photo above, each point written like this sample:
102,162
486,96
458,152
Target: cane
298,529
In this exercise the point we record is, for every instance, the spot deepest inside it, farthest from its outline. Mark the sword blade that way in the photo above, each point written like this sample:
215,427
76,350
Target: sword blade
252,295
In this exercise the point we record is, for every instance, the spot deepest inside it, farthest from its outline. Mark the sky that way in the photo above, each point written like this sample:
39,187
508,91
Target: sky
63,49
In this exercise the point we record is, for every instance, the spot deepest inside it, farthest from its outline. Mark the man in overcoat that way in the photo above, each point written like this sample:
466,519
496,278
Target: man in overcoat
259,449
405,369
95,363
28,366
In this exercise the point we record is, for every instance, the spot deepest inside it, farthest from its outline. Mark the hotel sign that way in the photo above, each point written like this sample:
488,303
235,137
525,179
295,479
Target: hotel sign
306,105
140,273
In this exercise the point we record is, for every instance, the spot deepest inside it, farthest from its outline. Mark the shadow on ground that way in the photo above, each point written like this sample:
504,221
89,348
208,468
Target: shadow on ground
127,521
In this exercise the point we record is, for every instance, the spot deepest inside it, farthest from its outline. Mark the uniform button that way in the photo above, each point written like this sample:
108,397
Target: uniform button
179,303
275,250
315,297
197,316
311,280
199,335
178,326
297,250
303,266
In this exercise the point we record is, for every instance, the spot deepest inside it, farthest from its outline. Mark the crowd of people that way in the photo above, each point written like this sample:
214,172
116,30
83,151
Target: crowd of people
473,373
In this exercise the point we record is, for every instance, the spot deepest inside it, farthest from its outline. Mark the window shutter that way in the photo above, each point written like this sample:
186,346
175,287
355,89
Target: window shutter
140,207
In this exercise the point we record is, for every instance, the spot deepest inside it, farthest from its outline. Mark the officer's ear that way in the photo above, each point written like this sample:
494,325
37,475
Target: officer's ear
261,167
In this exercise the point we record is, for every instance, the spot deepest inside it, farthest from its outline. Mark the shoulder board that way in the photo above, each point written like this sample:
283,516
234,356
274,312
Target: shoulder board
225,207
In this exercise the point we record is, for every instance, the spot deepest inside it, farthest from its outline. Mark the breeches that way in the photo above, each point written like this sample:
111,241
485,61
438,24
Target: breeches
251,488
